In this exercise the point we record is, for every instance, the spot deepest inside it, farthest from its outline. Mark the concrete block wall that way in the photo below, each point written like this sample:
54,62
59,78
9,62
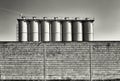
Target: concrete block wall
58,60
106,60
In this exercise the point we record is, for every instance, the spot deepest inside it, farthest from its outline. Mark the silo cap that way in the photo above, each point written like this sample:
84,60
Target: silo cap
66,18
44,18
34,17
91,18
78,18
55,18
87,18
23,17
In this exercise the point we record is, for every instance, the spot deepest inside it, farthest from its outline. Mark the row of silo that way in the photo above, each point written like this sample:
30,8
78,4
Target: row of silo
55,30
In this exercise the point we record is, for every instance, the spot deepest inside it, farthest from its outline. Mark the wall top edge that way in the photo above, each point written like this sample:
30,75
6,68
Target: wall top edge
56,42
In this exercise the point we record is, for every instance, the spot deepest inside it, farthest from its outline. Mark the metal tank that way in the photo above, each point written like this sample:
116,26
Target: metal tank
56,30
34,30
23,29
88,30
45,25
67,30
77,30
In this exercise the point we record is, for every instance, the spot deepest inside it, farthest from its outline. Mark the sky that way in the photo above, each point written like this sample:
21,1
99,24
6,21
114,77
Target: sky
105,12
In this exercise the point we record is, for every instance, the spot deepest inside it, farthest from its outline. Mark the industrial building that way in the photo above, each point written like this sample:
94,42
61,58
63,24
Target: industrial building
55,29
58,50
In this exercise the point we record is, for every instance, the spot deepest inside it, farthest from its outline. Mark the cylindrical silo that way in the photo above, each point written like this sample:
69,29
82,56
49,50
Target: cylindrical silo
45,25
56,30
77,30
34,30
88,30
67,30
23,29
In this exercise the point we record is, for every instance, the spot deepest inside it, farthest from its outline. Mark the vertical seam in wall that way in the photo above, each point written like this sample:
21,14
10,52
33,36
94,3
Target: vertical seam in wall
44,62
90,61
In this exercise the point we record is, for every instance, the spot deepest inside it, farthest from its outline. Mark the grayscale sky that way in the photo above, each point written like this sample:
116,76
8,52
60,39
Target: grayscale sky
105,12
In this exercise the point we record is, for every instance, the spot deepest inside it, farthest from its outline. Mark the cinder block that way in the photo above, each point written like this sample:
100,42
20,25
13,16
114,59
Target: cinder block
63,60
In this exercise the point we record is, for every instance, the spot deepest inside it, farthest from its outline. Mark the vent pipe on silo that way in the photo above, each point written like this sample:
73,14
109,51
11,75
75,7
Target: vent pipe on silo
77,30
45,29
67,30
88,30
34,30
23,29
56,30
